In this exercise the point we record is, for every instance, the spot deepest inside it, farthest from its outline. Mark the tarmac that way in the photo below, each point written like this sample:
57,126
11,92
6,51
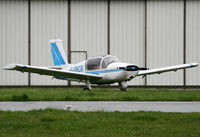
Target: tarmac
108,106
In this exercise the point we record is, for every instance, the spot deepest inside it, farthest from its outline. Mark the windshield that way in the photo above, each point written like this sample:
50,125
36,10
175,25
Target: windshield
93,63
108,60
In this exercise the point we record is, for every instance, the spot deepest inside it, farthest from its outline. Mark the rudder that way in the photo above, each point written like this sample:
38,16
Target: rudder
58,54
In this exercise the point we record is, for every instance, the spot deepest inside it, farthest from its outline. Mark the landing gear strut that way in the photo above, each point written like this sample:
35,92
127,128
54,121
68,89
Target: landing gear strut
123,86
88,86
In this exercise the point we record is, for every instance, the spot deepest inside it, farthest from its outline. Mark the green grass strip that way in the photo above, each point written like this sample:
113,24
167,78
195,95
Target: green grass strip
77,94
60,123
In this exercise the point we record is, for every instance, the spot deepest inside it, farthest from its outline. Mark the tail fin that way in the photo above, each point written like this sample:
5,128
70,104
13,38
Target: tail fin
58,54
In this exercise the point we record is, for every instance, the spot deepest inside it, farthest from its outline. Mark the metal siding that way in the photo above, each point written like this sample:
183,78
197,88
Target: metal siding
14,40
193,41
127,33
165,40
88,28
48,21
89,33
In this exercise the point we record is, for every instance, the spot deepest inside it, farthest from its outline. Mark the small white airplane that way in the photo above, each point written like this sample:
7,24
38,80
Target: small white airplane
99,70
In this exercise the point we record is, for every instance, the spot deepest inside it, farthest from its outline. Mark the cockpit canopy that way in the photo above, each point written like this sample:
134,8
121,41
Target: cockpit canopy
100,62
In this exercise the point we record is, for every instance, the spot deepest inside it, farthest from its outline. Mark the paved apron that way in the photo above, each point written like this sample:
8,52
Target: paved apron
122,106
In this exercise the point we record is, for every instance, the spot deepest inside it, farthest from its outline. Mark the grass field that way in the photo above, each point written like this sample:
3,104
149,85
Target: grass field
71,94
62,123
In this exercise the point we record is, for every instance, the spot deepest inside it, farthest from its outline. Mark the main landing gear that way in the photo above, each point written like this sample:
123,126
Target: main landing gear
88,86
123,86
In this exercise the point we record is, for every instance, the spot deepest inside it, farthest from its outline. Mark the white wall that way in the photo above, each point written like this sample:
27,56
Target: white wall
165,40
88,28
48,21
193,41
127,33
89,20
14,40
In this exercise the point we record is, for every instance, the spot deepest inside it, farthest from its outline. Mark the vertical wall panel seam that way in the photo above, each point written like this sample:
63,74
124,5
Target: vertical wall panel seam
184,43
69,31
145,41
108,46
29,40
69,35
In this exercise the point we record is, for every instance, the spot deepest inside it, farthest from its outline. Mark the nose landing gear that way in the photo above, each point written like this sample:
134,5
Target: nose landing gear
123,86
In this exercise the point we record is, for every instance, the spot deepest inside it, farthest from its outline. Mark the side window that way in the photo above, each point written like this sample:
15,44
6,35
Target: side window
104,65
107,61
93,63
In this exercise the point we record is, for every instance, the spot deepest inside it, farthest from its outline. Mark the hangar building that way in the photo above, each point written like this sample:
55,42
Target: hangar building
150,33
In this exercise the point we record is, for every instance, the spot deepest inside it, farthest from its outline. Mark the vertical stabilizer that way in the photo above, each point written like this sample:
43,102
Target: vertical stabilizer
58,54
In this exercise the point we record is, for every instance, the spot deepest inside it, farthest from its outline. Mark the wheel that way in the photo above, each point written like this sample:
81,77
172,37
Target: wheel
86,88
123,89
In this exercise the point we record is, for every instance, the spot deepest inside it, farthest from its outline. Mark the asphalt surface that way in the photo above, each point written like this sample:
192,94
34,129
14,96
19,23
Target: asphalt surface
103,106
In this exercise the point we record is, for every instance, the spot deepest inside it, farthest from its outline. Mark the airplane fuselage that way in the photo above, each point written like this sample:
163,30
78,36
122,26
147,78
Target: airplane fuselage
109,75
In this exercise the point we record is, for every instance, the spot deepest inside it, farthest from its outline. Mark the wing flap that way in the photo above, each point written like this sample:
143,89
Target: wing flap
166,69
52,72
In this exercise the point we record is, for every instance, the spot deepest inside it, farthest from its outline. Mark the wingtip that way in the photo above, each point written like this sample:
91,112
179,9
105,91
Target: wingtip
194,64
9,67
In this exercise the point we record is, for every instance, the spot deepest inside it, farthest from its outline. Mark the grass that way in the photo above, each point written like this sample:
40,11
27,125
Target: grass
77,94
58,123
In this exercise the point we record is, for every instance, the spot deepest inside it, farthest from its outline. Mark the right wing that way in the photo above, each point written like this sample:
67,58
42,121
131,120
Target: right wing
166,69
53,72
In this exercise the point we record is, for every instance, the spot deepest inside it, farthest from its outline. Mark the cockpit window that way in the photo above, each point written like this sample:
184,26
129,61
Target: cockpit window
93,63
108,60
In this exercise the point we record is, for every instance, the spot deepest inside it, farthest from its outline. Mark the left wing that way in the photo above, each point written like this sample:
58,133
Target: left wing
166,69
52,72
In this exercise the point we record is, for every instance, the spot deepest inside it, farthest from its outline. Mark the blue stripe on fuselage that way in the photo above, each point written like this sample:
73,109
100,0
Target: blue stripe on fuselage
97,72
104,71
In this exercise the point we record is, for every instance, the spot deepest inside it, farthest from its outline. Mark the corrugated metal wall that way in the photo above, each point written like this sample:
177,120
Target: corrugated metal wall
14,40
127,33
165,40
48,21
88,28
193,41
89,32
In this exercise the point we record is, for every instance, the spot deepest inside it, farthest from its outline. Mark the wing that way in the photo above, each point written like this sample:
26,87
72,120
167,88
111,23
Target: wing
166,69
52,72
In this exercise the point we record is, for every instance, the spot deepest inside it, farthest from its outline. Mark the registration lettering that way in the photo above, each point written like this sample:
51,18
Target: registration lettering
77,68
